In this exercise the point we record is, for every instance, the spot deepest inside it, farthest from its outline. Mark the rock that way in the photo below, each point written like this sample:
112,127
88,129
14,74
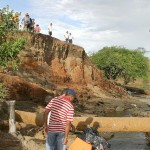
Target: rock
134,105
48,99
147,135
30,118
119,108
19,89
107,136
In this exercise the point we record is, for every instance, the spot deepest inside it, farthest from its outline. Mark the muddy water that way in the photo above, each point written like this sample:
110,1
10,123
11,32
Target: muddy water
129,141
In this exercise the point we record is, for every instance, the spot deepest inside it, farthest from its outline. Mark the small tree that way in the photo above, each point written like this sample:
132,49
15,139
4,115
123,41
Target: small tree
7,23
9,48
121,62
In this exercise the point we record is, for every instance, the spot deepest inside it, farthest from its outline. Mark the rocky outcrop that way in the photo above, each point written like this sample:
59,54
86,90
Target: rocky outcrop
52,63
22,90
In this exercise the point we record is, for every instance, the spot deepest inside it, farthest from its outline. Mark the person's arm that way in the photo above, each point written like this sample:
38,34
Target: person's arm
45,119
68,127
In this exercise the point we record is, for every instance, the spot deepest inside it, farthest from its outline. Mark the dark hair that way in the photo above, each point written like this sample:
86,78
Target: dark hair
75,101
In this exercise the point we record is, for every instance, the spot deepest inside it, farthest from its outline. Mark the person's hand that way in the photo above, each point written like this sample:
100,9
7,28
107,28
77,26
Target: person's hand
46,129
65,140
73,129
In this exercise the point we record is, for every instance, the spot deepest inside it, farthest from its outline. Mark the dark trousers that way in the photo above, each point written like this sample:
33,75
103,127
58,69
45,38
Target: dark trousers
67,40
70,40
50,33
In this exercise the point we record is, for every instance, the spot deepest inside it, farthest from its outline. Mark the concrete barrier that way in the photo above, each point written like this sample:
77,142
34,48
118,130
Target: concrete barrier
104,124
114,124
29,117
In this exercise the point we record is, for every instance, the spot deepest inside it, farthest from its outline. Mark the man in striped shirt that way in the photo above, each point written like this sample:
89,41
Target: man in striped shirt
59,125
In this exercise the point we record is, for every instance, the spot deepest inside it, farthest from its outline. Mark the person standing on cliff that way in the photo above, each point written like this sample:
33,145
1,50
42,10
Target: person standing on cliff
37,29
66,36
50,29
70,38
62,112
26,21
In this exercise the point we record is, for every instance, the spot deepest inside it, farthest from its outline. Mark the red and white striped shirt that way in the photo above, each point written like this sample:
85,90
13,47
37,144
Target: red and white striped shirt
61,111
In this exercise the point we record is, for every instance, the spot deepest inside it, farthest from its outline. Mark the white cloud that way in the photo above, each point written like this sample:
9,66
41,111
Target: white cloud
98,23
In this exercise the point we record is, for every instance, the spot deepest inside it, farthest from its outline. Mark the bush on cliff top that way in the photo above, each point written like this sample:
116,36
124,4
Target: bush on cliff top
9,49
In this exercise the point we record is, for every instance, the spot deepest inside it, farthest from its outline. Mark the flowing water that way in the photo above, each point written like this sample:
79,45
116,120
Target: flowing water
128,141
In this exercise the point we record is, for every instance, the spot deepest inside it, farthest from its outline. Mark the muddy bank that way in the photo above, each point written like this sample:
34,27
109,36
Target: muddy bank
133,106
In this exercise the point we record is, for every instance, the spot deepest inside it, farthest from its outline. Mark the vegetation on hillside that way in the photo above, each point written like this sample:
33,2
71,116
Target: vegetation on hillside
119,62
9,48
3,92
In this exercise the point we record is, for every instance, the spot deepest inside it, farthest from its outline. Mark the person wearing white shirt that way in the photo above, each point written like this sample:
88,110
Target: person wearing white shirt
67,36
70,38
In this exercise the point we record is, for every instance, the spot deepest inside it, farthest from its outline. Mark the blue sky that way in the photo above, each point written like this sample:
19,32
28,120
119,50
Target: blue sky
93,24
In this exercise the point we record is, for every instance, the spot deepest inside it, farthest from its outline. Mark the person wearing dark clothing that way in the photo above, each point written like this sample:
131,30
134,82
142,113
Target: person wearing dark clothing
26,21
70,38
50,29
32,25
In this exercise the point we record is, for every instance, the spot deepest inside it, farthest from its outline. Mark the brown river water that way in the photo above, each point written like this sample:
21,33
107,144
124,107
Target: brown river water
129,141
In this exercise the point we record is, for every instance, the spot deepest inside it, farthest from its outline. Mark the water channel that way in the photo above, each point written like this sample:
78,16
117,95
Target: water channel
128,141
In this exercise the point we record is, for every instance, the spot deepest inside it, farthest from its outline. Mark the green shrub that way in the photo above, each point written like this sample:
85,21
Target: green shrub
6,22
3,93
9,51
9,48
119,62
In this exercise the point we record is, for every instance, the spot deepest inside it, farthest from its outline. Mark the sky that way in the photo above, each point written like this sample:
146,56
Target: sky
94,24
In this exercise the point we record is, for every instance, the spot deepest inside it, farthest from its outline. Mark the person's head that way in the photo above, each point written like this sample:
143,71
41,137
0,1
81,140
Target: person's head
67,32
37,25
71,94
51,24
26,14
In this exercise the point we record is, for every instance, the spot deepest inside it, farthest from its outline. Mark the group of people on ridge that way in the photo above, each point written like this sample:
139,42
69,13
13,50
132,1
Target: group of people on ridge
68,37
28,24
